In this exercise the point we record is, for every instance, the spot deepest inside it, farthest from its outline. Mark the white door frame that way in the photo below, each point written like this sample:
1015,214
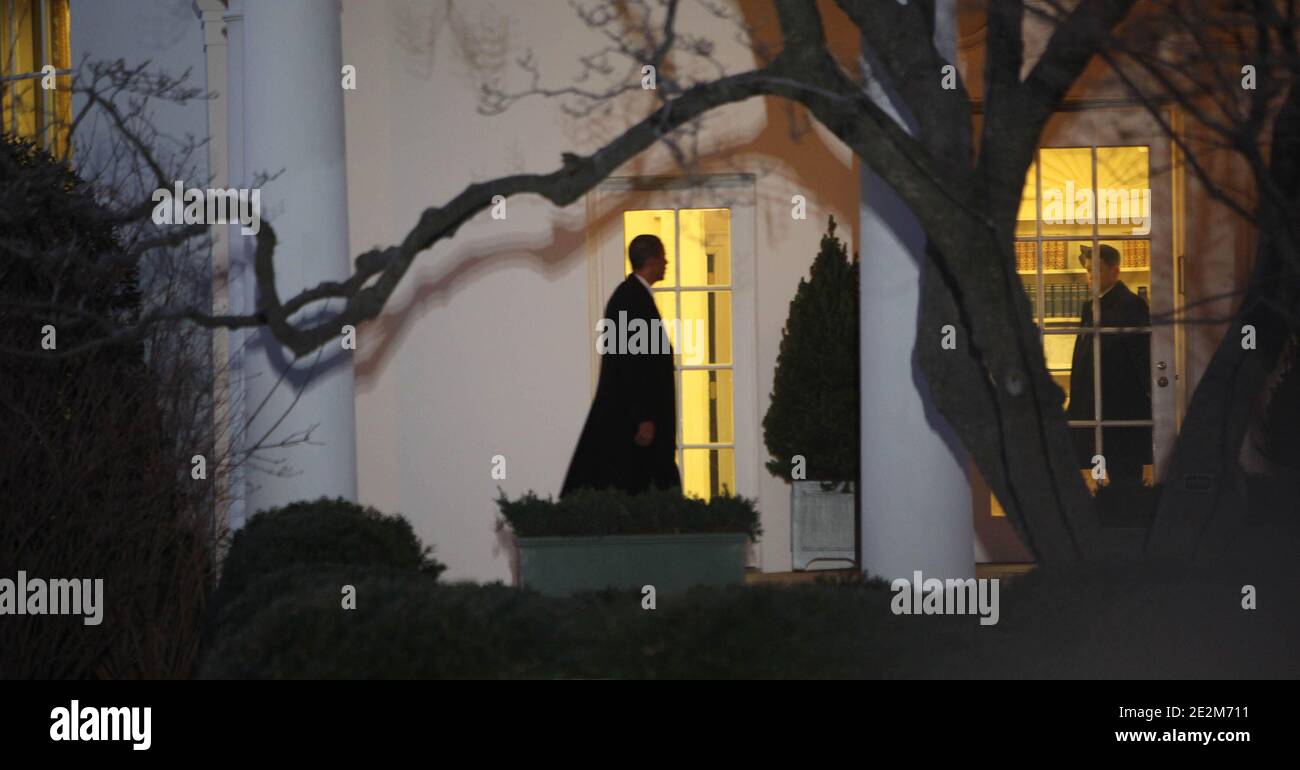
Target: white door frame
1118,125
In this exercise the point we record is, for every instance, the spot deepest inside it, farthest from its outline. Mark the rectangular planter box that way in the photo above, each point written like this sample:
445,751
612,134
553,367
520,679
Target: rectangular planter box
559,566
821,527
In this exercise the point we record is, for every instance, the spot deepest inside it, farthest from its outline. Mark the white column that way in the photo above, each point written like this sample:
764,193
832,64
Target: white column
916,498
214,48
292,108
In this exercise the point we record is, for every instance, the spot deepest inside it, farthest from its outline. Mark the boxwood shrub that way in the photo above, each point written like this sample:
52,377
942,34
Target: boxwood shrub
1158,622
321,532
615,512
402,627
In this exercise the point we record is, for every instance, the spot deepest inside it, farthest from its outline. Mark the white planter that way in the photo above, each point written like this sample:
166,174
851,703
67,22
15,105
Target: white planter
821,526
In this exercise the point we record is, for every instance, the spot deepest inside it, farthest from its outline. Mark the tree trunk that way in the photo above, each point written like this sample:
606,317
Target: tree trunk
1201,500
996,392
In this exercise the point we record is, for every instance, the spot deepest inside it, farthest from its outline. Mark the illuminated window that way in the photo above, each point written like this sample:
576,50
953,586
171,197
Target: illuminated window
1077,199
695,301
34,34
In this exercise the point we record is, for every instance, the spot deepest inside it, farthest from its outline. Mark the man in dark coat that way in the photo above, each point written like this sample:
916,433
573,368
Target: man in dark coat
1125,375
630,438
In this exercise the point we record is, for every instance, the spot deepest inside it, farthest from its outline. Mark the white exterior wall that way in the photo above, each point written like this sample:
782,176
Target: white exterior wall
485,348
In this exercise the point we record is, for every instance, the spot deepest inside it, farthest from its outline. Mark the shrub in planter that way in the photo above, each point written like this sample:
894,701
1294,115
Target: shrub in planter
321,532
595,539
815,406
615,512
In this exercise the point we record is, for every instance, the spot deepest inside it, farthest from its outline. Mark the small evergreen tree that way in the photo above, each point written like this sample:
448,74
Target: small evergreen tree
814,406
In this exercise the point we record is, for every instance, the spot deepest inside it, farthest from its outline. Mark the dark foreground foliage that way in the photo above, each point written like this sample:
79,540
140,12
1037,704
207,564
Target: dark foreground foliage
1104,620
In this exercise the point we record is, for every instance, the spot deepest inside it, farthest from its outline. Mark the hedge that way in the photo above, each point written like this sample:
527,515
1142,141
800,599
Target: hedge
1094,621
614,512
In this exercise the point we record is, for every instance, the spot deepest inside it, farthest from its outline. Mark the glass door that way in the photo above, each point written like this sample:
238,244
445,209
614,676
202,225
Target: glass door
1093,250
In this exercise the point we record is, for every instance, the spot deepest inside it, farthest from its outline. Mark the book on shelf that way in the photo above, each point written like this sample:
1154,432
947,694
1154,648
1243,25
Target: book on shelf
1135,255
1025,256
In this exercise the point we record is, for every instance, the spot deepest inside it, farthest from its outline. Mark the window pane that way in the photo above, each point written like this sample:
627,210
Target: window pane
1134,270
1126,376
1069,361
1123,191
1059,351
1085,448
1028,209
706,406
1026,257
1063,257
1127,498
1128,454
1065,289
666,301
1067,194
658,222
708,472
1027,269
21,31
705,330
706,247
61,57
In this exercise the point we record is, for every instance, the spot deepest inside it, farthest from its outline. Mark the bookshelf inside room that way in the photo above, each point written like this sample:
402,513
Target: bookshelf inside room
1065,281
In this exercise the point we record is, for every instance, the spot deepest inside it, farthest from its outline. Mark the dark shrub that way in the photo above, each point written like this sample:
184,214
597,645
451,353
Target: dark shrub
402,627
1282,421
614,512
815,390
408,628
95,448
1094,621
321,532
236,611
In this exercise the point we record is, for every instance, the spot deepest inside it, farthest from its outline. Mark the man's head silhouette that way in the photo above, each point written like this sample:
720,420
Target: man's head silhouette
1107,272
646,253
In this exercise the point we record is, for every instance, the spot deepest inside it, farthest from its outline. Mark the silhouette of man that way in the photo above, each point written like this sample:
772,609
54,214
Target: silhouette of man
630,438
1125,374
